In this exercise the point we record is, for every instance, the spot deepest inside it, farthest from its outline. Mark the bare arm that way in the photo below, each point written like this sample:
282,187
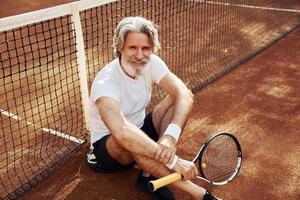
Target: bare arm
182,96
127,134
182,99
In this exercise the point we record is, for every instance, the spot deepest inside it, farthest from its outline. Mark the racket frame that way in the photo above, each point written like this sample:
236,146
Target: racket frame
198,158
155,184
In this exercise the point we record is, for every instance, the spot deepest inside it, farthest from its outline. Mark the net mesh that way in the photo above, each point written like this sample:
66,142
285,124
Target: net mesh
201,40
39,101
41,114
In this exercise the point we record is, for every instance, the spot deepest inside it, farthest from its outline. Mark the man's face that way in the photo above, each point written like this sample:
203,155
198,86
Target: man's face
136,53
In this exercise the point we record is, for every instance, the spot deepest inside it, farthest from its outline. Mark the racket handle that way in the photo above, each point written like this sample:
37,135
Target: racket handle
166,180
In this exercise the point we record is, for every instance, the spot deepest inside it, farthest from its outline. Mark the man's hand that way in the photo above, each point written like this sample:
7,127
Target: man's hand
187,168
166,149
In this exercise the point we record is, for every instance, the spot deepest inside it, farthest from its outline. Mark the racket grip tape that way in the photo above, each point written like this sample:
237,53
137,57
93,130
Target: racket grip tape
166,180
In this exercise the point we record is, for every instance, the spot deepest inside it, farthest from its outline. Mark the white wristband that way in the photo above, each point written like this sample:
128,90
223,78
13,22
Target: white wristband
173,163
173,130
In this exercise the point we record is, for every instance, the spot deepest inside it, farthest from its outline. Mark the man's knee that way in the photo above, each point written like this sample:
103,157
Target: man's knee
147,164
117,152
163,112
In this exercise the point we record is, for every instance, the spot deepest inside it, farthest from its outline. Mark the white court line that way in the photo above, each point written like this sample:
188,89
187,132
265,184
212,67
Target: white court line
10,115
48,130
249,6
63,135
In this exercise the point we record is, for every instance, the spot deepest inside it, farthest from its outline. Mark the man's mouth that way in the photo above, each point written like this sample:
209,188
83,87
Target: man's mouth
138,62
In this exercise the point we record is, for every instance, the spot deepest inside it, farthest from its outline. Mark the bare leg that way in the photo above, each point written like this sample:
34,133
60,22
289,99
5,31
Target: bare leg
162,114
154,168
150,166
117,152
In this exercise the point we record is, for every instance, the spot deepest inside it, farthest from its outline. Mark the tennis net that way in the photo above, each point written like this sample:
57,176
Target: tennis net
48,59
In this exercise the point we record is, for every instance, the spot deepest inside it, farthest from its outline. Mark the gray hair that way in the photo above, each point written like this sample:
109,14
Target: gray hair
135,24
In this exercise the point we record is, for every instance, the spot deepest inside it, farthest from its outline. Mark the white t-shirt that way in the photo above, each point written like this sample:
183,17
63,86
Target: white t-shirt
132,94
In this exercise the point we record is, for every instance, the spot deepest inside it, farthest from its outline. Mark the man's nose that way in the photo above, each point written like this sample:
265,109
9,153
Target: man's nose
139,54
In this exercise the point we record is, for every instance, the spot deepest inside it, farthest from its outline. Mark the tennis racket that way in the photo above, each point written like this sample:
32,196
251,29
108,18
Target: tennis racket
218,161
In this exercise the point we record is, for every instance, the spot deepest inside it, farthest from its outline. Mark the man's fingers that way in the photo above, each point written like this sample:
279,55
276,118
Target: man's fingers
157,153
169,157
191,173
165,156
160,155
187,176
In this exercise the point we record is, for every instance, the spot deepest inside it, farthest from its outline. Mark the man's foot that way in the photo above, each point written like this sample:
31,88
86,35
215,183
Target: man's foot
91,161
209,196
163,193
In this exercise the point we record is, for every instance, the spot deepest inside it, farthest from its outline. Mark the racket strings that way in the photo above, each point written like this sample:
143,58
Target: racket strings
220,159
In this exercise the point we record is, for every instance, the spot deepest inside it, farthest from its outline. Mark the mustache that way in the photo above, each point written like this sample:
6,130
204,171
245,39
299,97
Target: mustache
136,60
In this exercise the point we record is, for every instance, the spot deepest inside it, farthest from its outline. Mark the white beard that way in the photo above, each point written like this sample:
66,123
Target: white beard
136,71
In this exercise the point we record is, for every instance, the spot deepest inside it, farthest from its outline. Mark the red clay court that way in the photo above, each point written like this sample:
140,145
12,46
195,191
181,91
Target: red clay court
240,58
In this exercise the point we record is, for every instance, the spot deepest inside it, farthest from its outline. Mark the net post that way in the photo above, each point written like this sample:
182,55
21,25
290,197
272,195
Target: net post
82,67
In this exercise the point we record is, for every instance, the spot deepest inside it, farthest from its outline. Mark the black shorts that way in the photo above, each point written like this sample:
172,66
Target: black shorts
105,162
